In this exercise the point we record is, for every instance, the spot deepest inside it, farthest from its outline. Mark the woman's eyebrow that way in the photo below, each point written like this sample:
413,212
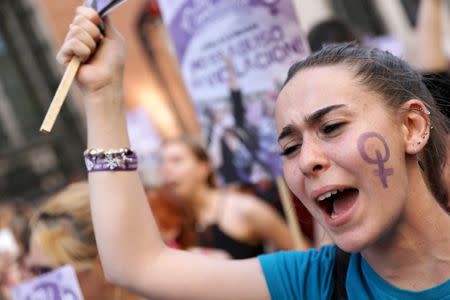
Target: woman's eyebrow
320,113
310,120
286,131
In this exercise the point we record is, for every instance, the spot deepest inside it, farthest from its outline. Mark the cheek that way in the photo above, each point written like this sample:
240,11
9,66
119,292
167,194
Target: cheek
186,171
167,168
296,183
178,171
381,159
294,178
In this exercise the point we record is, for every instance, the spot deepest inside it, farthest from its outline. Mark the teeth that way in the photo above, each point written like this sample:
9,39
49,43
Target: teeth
327,195
333,215
324,196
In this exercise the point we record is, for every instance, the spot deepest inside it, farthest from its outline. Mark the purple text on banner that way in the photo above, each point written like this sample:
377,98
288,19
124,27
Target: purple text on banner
60,284
262,38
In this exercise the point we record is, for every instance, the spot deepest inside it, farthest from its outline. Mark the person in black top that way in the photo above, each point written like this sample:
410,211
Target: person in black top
226,219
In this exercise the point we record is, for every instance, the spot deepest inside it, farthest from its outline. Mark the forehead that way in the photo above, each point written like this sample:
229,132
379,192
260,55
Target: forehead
318,87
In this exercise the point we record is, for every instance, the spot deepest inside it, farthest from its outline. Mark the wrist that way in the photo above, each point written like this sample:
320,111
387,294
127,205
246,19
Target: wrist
123,159
105,100
106,86
106,119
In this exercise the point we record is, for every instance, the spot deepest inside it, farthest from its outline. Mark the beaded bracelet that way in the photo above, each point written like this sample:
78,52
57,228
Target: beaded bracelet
123,159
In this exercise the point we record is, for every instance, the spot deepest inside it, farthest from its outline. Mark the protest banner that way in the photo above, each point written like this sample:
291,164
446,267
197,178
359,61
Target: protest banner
60,284
261,39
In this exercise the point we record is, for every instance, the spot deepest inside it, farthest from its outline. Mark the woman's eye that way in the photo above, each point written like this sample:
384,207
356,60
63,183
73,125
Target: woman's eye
331,128
289,150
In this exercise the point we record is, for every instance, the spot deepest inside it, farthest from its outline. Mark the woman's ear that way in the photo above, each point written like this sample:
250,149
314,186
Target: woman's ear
415,118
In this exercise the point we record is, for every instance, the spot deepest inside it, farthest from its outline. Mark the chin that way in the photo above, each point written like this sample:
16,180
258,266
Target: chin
352,241
351,246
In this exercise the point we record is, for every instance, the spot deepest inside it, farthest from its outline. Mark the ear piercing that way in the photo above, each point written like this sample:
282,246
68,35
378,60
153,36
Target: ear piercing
420,109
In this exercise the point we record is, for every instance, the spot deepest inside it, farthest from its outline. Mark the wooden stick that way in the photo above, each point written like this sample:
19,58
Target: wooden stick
60,96
291,216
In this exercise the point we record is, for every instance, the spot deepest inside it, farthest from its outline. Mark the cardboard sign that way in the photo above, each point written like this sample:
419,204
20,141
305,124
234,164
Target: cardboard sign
262,38
60,284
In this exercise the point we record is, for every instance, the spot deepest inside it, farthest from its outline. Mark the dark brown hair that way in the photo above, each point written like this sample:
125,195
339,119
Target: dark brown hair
389,76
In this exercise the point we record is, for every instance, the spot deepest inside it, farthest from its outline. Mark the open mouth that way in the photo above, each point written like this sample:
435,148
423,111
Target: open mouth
337,202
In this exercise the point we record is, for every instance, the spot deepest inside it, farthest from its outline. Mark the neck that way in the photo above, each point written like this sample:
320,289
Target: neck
414,254
202,200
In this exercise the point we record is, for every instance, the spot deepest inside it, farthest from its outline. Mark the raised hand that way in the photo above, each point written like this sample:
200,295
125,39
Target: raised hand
102,53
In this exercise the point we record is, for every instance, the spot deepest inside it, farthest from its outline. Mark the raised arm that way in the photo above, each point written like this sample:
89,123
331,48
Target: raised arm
235,93
430,55
131,249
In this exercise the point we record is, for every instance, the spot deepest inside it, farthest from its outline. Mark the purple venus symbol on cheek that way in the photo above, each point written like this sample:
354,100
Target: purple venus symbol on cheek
379,160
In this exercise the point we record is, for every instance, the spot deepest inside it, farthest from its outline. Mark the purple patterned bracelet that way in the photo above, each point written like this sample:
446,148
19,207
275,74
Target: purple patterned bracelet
123,159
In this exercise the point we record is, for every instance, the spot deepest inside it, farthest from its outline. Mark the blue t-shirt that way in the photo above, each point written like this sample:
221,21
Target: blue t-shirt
309,275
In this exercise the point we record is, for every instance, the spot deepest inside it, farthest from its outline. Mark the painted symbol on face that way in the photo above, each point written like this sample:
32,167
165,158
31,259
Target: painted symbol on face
379,160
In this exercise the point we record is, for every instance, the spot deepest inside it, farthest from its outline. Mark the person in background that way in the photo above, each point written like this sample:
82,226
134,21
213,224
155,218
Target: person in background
176,224
364,148
237,223
61,234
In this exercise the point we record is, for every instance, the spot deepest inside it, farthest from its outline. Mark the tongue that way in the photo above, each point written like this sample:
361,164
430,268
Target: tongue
344,202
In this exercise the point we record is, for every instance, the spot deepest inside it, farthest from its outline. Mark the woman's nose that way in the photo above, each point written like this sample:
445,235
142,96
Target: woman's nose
313,159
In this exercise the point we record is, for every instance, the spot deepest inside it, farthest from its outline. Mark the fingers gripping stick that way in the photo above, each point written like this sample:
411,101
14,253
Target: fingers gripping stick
60,96
103,7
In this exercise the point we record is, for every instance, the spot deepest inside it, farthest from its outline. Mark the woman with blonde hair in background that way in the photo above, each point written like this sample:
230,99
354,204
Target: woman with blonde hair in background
61,234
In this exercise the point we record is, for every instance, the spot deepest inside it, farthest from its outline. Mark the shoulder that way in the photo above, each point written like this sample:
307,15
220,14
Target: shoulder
240,201
287,273
255,211
250,209
247,204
